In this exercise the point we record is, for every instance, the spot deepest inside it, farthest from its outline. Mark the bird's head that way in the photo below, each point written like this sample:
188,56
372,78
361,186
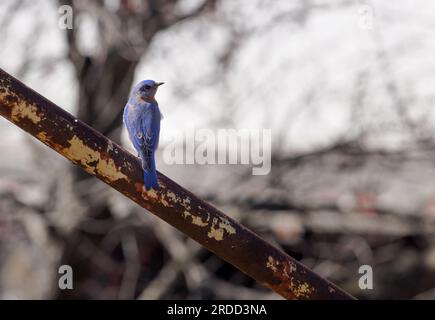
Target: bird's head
146,90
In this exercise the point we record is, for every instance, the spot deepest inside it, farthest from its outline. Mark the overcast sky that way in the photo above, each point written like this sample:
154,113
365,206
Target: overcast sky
299,79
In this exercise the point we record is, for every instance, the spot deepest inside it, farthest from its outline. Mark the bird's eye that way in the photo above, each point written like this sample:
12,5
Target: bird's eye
147,87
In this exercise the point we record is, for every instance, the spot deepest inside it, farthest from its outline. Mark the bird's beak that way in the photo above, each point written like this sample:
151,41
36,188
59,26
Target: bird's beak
159,83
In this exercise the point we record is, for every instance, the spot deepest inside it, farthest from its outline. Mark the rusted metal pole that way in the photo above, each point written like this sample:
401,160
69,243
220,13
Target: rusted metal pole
177,206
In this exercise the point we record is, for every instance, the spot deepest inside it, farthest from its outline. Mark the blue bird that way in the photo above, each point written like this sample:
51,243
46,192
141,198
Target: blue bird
142,120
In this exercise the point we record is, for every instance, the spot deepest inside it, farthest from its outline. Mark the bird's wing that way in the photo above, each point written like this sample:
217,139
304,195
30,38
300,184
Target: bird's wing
150,130
134,130
151,126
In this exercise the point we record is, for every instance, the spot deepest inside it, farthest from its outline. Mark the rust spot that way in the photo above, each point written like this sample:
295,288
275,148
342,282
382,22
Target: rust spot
43,136
48,140
152,194
172,196
283,271
92,161
196,220
19,108
219,227
11,99
170,199
165,203
271,264
110,146
22,110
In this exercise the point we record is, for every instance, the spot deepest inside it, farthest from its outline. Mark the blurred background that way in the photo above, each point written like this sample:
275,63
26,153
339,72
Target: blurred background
346,87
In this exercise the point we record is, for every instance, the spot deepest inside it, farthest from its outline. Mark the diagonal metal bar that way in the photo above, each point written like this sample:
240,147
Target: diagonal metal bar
121,170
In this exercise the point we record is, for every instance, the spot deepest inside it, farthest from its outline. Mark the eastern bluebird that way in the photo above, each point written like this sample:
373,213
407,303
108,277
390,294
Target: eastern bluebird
142,120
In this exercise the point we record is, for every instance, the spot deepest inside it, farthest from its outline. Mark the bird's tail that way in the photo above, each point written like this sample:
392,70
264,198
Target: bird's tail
149,172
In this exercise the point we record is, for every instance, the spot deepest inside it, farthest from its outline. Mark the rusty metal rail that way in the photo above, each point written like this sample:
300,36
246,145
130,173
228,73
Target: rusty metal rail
121,170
